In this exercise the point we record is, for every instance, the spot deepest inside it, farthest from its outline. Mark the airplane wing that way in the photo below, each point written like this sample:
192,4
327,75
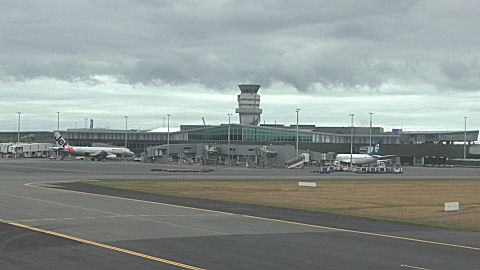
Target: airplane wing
386,156
98,154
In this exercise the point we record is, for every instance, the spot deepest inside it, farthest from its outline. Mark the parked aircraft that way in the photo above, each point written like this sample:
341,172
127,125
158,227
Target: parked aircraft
98,153
363,159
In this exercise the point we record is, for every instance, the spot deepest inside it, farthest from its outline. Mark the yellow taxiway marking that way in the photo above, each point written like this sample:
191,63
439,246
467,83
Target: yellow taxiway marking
102,217
413,267
35,184
58,203
114,214
126,251
271,219
367,233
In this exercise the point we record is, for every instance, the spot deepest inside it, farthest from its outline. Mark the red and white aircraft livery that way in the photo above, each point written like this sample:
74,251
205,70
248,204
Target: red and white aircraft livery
98,153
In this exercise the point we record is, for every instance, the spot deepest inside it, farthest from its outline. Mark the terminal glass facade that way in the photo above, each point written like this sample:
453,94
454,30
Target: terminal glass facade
248,133
27,137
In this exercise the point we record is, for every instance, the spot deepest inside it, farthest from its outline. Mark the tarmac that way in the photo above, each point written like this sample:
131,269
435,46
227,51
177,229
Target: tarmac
51,222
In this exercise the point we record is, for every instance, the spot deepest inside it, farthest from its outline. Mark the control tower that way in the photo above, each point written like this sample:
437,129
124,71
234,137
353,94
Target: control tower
249,104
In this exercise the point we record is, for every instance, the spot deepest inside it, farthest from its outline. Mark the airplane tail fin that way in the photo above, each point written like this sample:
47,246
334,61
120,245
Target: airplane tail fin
376,150
59,140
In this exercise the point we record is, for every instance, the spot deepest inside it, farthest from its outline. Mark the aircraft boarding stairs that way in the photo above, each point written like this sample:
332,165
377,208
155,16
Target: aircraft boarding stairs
297,162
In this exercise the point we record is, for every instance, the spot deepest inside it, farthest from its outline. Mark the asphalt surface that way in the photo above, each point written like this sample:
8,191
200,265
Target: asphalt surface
26,249
47,227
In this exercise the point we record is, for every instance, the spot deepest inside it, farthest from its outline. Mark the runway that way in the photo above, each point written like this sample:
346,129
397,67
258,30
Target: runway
45,226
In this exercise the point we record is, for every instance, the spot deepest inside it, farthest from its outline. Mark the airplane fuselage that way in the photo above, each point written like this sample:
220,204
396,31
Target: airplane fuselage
358,159
94,151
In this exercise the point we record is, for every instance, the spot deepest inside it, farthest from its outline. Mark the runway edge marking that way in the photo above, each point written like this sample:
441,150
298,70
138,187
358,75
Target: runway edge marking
33,184
126,251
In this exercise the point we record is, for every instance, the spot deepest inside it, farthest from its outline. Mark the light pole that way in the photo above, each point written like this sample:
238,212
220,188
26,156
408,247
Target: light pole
126,130
229,149
18,135
351,142
465,139
371,113
296,152
58,121
168,135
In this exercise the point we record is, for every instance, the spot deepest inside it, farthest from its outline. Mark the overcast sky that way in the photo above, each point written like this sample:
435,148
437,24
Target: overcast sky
415,64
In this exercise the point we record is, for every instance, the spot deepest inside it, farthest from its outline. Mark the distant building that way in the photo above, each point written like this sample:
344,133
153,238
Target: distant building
249,104
411,147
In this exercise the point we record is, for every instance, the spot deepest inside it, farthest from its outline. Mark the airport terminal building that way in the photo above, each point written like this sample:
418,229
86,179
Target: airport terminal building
411,147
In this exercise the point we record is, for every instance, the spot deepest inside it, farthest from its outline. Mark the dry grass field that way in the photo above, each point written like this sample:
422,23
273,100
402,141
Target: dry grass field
419,201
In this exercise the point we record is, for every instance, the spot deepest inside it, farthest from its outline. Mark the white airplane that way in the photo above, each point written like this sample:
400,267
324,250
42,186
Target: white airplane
98,153
363,159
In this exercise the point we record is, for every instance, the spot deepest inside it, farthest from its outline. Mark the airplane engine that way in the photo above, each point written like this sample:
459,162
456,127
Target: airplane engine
111,157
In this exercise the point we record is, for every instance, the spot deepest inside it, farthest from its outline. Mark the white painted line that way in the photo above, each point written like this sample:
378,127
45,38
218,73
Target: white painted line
272,219
414,267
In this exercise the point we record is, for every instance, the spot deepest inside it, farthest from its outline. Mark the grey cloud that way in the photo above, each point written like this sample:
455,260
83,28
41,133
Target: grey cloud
311,45
455,70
